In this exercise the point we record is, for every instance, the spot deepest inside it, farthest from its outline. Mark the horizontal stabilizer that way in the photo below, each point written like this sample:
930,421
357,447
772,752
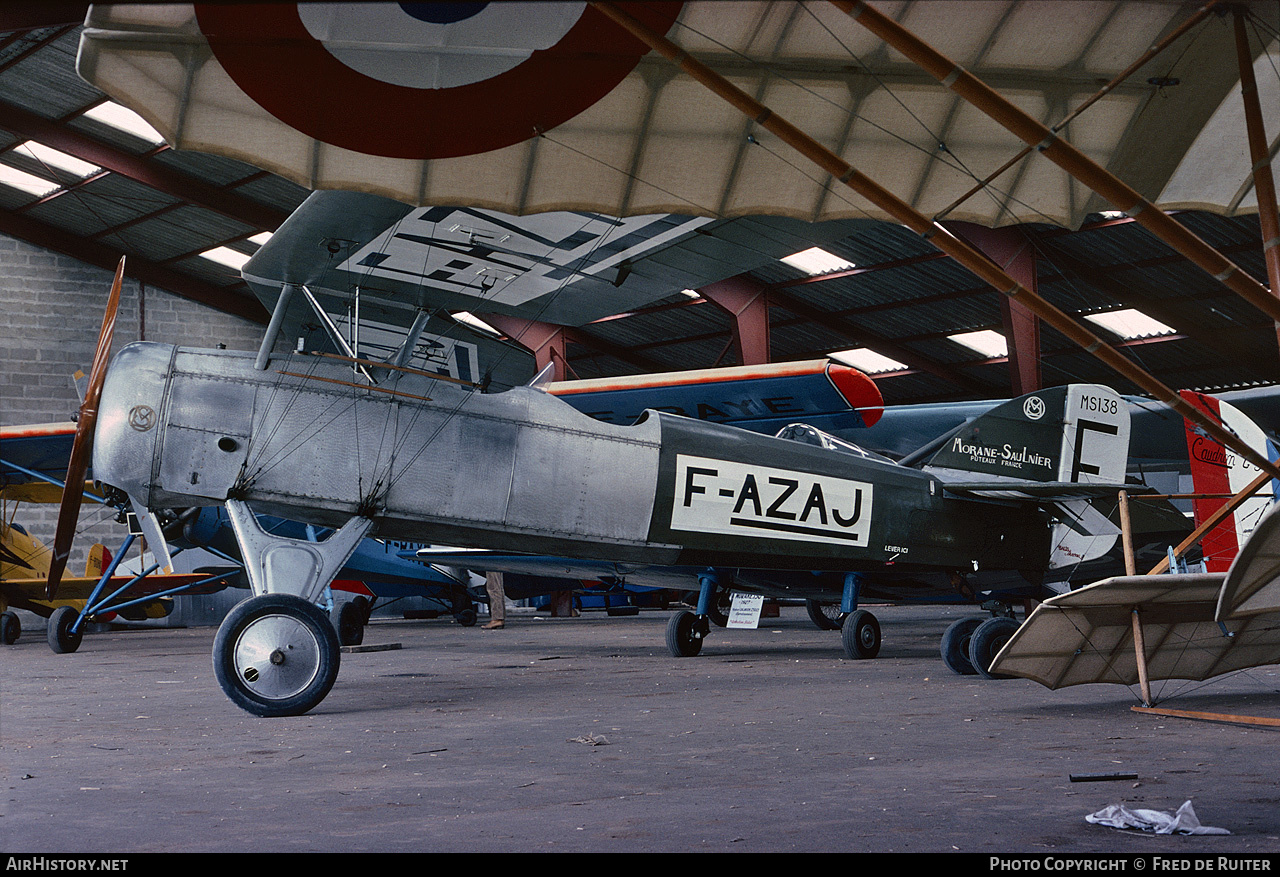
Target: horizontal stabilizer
1037,491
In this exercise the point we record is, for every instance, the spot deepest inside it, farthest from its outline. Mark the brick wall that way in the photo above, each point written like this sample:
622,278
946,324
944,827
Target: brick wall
53,307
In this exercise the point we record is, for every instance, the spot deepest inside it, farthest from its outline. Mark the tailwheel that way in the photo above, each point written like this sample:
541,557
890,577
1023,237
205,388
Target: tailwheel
988,639
10,628
860,635
276,655
955,646
685,633
61,638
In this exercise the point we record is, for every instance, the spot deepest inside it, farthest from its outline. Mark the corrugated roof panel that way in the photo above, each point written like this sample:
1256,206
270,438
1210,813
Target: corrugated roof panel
108,202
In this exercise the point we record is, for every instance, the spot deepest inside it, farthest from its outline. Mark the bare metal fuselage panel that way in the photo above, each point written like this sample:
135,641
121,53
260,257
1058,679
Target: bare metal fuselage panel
522,471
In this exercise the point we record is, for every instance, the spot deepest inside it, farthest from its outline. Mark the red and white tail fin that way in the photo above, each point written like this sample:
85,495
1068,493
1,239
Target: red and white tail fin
1219,470
98,561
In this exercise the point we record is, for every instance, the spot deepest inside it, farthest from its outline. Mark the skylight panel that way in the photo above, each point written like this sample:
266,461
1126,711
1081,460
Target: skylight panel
226,256
25,182
54,158
1130,323
868,361
815,261
988,342
124,119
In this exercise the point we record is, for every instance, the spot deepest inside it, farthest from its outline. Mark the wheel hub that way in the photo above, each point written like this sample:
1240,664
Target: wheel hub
277,656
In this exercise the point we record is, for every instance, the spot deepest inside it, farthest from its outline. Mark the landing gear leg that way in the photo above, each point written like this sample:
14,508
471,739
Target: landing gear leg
686,630
859,631
277,653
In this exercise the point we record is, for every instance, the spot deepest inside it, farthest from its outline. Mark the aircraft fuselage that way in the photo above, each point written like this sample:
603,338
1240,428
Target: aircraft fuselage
522,471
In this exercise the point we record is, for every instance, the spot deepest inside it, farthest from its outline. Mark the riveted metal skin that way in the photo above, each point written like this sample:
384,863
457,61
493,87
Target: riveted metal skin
522,471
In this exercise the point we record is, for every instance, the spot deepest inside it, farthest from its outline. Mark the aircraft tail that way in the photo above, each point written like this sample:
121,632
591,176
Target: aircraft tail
98,561
1219,470
1076,434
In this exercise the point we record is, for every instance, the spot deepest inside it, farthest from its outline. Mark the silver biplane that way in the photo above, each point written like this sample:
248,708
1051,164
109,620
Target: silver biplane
365,411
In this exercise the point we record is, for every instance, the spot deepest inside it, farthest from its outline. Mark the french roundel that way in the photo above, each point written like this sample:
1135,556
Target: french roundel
425,80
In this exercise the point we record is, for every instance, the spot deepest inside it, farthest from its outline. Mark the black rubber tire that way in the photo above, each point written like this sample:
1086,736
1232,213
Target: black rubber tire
860,635
467,617
251,655
365,605
683,640
59,634
825,616
988,639
10,628
348,621
955,646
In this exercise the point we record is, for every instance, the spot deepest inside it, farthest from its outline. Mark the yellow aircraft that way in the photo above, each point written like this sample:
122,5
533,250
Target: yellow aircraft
28,457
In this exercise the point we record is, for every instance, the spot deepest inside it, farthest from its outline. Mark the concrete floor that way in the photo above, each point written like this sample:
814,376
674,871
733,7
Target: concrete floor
585,735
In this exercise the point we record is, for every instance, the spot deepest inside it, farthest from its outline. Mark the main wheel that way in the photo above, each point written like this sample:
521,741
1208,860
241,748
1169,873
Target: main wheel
348,620
276,655
988,639
684,639
10,628
955,646
860,635
825,616
61,639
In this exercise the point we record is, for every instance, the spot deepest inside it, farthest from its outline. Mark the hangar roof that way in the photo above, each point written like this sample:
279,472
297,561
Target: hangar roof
902,298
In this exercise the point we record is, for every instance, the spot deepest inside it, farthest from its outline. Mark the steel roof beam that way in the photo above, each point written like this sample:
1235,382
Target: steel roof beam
31,126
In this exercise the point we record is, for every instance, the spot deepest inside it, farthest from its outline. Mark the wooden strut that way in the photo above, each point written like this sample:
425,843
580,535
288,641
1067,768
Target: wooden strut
1063,154
1264,184
1140,656
1212,521
933,231
1149,54
399,368
1209,717
370,387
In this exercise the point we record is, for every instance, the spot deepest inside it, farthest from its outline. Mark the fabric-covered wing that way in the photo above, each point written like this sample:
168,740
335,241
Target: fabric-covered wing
1086,636
537,107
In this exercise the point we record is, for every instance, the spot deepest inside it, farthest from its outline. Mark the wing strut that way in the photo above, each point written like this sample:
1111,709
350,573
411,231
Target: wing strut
932,231
1063,154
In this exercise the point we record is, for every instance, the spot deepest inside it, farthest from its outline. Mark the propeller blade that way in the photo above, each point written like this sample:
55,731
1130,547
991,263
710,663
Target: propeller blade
69,511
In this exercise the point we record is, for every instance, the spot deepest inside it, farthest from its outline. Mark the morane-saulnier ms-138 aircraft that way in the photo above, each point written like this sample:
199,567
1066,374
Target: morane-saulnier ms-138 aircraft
522,471
366,440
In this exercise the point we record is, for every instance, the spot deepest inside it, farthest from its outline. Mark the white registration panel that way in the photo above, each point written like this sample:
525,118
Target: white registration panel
718,496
